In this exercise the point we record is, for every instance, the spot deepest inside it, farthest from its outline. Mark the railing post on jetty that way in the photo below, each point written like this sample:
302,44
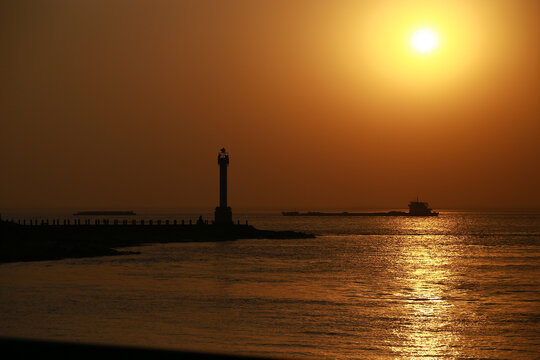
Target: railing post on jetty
182,221
174,222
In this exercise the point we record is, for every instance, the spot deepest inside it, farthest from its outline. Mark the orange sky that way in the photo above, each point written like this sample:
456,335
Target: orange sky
125,104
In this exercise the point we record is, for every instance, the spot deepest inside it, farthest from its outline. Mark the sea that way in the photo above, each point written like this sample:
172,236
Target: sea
463,285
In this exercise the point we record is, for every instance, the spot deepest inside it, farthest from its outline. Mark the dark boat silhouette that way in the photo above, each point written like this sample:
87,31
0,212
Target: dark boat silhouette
416,208
419,208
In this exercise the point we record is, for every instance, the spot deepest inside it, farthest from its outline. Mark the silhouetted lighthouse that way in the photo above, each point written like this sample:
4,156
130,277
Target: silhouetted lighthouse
223,214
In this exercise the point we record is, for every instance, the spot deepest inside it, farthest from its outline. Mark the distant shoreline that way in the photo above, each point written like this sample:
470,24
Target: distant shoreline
55,242
105,213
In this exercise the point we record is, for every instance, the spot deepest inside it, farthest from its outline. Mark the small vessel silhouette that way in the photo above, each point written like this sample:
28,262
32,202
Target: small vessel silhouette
419,208
416,208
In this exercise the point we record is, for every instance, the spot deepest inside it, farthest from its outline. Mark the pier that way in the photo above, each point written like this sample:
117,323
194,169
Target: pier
42,241
107,221
31,239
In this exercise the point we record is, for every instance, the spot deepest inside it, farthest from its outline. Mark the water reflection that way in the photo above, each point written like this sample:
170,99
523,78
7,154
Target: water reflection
426,272
411,288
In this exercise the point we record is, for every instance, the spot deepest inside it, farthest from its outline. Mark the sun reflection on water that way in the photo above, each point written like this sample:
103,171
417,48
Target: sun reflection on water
426,331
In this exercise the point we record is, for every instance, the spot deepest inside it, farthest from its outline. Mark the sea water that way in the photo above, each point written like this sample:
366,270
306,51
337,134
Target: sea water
461,285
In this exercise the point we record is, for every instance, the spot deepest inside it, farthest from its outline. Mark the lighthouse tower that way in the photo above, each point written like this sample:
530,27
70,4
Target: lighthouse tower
223,214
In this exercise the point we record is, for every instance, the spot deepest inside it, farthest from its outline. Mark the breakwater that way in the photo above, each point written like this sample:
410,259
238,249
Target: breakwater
55,239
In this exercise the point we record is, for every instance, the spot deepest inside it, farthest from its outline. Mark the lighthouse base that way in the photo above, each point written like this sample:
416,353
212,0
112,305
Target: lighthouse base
223,215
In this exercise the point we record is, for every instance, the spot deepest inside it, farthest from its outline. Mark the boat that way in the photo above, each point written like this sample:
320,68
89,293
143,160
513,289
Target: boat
419,208
104,213
416,208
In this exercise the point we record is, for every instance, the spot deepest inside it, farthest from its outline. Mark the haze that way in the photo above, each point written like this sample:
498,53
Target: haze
119,104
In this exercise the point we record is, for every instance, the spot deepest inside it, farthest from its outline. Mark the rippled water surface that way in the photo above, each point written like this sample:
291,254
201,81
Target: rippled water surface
462,285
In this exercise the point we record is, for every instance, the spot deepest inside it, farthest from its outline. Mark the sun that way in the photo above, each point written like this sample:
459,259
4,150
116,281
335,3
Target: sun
424,40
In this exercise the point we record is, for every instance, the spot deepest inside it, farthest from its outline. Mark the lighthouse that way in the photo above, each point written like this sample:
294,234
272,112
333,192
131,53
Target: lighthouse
223,214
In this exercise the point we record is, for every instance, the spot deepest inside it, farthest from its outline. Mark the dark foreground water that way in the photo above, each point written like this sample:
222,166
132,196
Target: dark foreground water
463,285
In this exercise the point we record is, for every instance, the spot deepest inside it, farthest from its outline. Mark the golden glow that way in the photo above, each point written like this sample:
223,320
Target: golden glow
424,40
412,51
428,273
